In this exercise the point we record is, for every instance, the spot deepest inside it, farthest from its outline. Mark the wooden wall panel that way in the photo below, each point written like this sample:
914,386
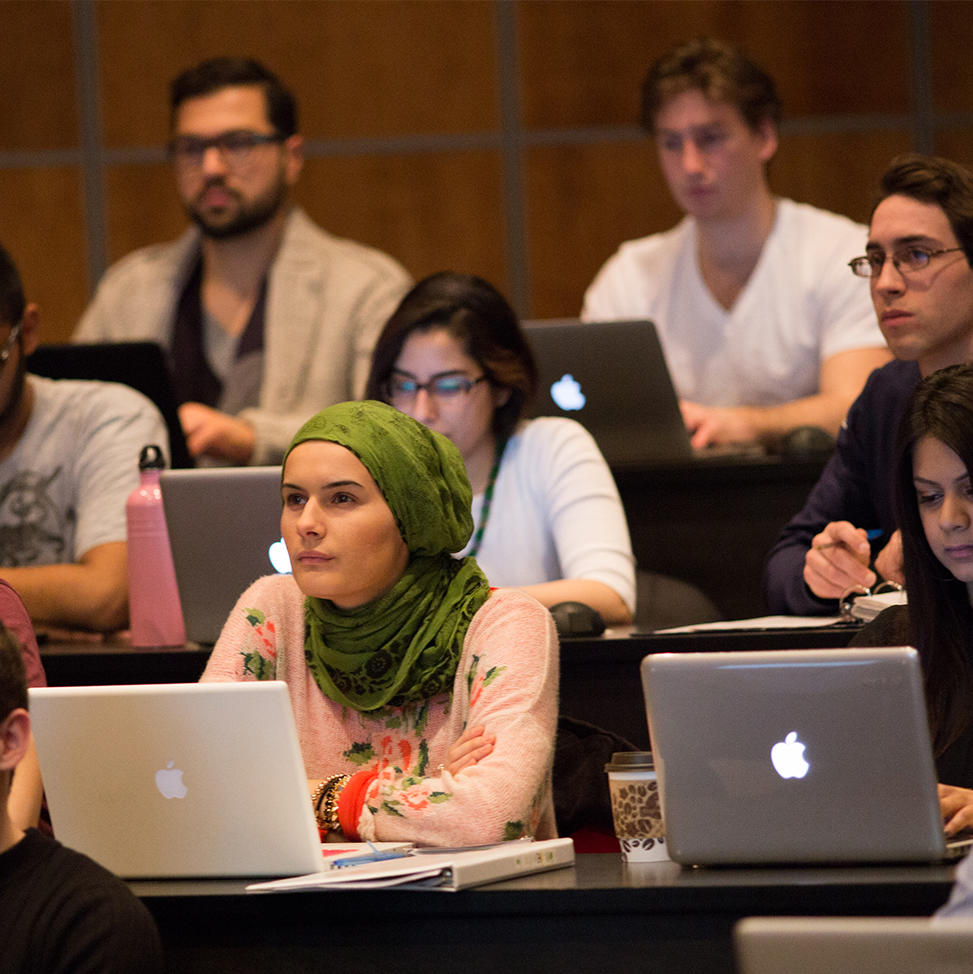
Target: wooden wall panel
37,76
584,60
143,207
387,74
838,170
359,69
583,202
951,40
956,143
430,211
40,217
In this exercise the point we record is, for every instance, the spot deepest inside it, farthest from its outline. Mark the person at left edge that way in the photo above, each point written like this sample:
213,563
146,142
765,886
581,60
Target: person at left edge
265,316
59,910
68,461
426,704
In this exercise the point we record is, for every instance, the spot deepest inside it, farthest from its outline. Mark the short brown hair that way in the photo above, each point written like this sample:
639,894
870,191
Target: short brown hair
218,73
933,179
717,69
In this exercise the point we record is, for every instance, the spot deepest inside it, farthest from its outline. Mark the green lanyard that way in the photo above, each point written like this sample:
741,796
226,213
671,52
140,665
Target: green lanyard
487,502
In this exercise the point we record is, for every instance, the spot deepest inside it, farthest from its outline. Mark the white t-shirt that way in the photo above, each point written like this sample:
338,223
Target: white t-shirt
800,306
63,487
555,513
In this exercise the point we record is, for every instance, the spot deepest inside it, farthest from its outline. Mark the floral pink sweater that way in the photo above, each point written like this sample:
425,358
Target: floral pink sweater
506,681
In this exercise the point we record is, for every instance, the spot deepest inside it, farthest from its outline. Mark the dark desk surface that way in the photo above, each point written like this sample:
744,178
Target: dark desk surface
92,664
713,521
602,915
600,680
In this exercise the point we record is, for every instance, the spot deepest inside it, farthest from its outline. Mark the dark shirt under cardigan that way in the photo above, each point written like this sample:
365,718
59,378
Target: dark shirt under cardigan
855,486
62,912
893,628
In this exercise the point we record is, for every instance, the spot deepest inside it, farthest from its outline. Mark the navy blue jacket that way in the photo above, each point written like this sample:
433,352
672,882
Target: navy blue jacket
855,486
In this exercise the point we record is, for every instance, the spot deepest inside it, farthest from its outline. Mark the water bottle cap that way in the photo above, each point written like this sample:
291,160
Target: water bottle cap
152,458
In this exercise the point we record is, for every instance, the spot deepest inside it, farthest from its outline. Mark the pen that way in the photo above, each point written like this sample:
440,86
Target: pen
376,855
871,534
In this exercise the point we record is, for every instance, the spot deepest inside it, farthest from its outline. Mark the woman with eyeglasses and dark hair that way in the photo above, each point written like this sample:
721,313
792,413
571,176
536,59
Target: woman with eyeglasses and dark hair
547,515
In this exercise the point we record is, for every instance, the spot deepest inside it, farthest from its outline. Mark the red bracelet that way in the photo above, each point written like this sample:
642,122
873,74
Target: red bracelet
352,801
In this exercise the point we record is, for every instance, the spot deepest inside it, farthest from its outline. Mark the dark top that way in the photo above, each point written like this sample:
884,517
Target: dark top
855,486
894,628
61,911
192,378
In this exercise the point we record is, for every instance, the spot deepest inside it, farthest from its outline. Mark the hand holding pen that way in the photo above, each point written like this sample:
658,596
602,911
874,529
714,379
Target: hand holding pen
839,559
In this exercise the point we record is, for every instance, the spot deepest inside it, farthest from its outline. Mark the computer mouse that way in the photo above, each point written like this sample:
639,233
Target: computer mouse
577,619
803,441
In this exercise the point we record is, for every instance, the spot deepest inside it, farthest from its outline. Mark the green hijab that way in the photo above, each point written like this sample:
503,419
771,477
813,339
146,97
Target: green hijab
405,645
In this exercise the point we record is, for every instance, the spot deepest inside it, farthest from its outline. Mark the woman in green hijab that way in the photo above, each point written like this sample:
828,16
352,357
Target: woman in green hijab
425,704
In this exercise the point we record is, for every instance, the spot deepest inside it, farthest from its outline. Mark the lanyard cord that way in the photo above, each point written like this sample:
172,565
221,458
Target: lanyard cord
487,501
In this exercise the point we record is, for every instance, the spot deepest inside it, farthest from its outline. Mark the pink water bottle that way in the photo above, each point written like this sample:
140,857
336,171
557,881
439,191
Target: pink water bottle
155,613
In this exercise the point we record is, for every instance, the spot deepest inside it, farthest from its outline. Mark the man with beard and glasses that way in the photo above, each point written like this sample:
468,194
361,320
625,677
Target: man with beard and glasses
69,455
265,316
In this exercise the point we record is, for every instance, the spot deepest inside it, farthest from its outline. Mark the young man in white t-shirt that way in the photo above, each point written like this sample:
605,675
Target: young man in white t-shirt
763,327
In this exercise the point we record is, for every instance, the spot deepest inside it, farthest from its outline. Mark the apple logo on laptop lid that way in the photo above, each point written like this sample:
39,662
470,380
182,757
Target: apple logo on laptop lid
787,757
567,394
279,558
169,782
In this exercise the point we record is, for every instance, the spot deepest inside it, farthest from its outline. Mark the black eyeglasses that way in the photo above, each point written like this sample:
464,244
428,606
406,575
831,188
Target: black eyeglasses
8,345
906,260
401,389
235,147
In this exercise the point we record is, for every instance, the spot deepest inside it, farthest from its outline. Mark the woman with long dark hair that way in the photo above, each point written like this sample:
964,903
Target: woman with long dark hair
548,518
934,508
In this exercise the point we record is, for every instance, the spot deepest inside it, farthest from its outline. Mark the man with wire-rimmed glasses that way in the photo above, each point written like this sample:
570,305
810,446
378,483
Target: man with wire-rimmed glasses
917,264
266,317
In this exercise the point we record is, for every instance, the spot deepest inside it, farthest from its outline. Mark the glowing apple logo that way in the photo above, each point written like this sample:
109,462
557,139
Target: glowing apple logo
277,553
566,392
169,782
788,757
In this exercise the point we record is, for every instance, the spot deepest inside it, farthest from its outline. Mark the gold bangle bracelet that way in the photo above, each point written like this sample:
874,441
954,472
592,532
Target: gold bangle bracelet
325,801
316,799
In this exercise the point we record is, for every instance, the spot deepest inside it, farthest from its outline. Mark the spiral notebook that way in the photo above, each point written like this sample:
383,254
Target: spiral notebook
430,868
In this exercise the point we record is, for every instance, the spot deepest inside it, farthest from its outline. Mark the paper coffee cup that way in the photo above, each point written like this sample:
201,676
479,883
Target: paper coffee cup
636,810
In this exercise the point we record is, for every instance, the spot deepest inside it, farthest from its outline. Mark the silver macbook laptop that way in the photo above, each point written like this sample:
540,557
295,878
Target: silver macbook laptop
613,379
793,756
853,945
172,780
224,530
